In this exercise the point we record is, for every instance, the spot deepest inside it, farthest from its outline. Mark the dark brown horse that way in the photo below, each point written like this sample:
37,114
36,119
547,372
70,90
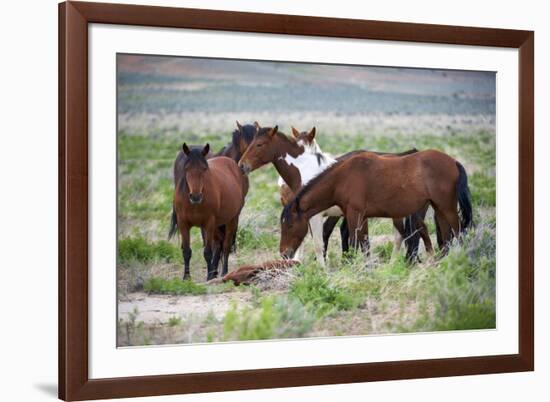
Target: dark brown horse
382,187
209,194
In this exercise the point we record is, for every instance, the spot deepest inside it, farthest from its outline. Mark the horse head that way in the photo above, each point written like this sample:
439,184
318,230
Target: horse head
195,168
262,149
307,140
294,228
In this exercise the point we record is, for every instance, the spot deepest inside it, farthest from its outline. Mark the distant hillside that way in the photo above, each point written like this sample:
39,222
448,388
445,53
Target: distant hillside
176,84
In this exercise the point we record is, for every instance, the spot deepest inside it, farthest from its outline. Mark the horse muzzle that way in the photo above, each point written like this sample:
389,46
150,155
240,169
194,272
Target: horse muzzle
245,168
195,198
288,254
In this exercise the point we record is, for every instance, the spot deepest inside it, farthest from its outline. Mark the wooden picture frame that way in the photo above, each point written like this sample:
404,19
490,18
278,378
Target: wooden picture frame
74,381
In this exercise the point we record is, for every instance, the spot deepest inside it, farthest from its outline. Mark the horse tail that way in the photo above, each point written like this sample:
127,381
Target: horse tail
173,224
464,198
412,238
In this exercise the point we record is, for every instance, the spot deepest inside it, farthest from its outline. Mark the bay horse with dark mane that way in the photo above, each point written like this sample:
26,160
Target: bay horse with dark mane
241,137
370,185
209,194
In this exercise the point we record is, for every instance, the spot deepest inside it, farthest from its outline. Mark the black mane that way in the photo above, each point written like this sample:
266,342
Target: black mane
320,158
232,149
248,131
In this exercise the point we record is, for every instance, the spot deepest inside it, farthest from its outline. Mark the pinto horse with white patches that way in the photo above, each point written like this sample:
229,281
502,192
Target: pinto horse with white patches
295,167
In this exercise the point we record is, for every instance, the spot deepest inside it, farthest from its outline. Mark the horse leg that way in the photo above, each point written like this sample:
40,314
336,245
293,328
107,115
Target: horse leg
358,230
230,233
398,237
217,246
185,248
444,231
425,235
316,228
451,215
328,227
212,271
344,234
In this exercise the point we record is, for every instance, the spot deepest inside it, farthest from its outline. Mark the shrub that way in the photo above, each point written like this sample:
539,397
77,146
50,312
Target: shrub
462,288
274,317
315,290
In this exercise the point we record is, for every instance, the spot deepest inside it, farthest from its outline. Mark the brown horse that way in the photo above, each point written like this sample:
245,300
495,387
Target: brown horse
209,194
298,160
241,137
382,187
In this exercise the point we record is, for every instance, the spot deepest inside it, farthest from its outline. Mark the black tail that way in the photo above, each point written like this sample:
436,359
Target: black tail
173,224
464,198
412,238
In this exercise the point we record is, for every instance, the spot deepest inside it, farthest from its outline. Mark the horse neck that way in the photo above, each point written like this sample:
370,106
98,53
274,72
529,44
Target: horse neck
319,197
289,172
284,146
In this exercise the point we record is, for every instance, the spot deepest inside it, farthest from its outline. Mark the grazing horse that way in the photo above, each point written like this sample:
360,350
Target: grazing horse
300,159
210,194
370,185
410,230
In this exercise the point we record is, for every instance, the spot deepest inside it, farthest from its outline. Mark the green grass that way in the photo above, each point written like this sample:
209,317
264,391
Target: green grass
483,189
133,250
173,287
174,321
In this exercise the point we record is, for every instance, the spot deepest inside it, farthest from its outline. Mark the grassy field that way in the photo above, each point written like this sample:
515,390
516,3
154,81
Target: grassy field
349,296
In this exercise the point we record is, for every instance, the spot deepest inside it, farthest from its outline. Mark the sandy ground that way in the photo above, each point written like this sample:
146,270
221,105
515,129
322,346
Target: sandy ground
160,308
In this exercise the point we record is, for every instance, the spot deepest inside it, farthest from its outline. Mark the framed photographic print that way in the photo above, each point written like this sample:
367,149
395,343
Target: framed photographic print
260,200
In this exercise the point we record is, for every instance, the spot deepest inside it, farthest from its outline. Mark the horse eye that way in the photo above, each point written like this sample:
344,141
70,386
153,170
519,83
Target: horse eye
259,145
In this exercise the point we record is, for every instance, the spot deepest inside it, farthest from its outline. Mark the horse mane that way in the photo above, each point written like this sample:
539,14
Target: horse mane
248,131
280,134
320,158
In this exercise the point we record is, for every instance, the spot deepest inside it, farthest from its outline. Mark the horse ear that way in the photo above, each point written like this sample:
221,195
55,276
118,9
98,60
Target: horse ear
206,149
273,131
295,133
186,149
239,126
257,125
311,134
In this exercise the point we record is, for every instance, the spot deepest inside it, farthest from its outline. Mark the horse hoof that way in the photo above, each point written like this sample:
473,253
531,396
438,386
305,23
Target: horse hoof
187,277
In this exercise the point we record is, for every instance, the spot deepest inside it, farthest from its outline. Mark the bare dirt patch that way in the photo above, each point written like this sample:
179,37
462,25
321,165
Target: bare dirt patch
160,308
